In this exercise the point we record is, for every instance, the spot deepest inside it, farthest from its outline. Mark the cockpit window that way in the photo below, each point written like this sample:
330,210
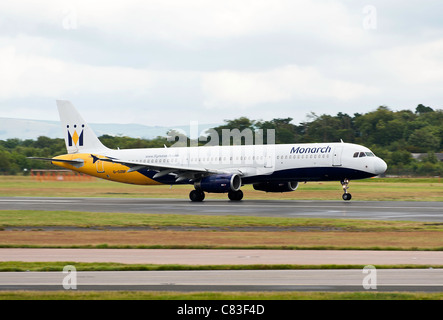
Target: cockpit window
363,154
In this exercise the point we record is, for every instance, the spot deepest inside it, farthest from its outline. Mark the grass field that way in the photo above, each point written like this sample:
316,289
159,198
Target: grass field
123,230
126,230
259,296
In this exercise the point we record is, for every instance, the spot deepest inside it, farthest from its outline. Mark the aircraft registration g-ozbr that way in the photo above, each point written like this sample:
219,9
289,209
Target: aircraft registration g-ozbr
214,169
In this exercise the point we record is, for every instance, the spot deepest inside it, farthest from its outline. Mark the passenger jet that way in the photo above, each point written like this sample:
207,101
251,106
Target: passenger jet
214,169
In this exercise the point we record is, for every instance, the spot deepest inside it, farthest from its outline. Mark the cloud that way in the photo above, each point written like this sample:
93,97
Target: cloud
169,59
25,75
184,22
245,89
413,64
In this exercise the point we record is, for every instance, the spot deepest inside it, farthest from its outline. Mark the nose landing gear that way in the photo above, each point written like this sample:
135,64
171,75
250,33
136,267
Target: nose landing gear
346,196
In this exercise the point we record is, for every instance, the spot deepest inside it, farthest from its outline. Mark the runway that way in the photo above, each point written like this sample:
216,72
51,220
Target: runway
374,210
430,280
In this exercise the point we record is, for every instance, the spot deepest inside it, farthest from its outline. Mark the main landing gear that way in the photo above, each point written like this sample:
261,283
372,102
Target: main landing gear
346,196
235,195
198,195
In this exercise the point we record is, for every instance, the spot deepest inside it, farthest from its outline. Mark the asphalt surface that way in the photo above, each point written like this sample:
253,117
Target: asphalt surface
375,210
430,280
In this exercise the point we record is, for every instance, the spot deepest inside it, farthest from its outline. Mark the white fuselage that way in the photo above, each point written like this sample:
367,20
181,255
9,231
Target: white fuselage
323,161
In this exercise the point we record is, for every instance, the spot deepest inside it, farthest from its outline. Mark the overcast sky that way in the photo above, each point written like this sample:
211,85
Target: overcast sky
169,62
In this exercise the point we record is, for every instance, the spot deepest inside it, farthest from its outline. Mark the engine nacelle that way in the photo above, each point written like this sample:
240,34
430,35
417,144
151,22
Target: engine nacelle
220,183
276,186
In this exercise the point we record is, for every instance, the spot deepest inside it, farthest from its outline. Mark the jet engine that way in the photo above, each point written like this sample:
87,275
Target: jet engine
219,183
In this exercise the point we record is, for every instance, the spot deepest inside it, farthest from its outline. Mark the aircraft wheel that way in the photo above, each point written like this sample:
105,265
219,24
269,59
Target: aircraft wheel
196,196
347,196
235,195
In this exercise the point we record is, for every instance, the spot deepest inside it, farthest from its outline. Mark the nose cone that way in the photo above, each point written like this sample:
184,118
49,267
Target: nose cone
380,166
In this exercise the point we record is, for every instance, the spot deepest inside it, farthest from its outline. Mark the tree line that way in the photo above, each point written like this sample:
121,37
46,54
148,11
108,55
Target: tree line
392,135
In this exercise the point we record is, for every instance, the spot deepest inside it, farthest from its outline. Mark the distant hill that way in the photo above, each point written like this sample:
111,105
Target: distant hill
31,129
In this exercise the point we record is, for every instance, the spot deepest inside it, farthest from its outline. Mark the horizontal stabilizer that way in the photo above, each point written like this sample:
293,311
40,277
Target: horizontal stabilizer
75,162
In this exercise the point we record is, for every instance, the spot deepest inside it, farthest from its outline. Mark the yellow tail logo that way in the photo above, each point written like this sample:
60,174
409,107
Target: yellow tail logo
76,139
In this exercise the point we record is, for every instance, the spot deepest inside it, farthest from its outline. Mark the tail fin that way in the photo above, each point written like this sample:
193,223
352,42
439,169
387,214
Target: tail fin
79,137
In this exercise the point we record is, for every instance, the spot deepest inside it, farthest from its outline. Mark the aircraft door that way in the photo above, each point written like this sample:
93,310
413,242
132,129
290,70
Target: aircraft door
268,161
269,156
336,157
100,165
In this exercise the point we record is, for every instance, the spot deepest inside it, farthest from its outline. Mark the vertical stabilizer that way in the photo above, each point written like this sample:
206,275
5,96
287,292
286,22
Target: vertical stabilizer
79,137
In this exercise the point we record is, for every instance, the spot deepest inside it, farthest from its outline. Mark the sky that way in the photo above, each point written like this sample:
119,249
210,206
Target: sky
173,62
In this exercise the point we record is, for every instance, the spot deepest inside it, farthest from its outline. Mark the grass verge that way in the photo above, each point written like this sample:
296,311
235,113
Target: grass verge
34,218
47,229
20,266
259,296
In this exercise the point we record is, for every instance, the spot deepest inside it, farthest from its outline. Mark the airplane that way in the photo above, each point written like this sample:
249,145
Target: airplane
214,169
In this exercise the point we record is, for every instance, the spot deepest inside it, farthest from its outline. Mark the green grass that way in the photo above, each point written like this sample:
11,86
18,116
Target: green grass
33,218
230,232
21,266
259,296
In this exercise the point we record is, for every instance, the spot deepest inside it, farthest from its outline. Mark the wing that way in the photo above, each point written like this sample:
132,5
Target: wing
180,172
